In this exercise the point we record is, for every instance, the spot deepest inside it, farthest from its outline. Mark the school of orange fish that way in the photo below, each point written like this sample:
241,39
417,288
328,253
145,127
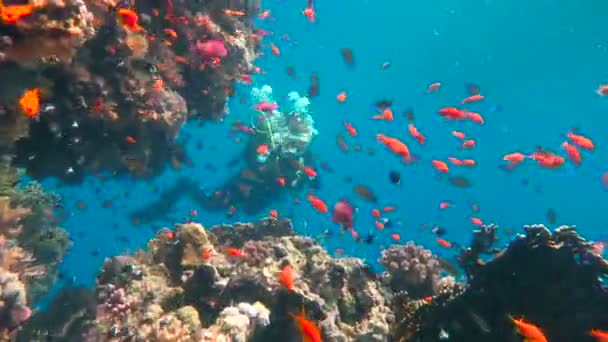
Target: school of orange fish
573,144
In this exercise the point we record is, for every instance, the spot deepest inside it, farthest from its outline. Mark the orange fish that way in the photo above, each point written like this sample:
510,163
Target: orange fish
455,161
286,277
11,14
309,331
443,243
318,204
573,153
433,87
310,172
341,97
171,33
387,115
262,149
441,166
235,252
379,225
388,209
130,139
376,213
529,331
128,19
459,135
547,159
264,15
469,162
30,103
476,221
514,159
395,145
351,129
396,237
453,113
581,141
475,117
281,181
416,134
600,336
473,98
275,50
310,13
234,13
273,213
468,144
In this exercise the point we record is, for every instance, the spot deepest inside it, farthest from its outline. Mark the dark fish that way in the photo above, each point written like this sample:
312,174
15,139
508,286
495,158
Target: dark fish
387,223
474,207
365,193
370,238
341,143
383,104
314,86
473,89
325,166
461,182
409,115
551,216
347,54
291,71
395,177
480,322
348,179
438,230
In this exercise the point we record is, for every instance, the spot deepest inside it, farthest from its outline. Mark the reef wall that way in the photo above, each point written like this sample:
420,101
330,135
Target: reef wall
116,80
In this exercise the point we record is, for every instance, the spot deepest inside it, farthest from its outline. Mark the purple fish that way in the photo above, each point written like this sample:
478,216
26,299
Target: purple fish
343,214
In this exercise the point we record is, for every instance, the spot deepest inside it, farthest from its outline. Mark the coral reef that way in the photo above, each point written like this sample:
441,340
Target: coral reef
31,247
223,284
188,287
113,97
555,280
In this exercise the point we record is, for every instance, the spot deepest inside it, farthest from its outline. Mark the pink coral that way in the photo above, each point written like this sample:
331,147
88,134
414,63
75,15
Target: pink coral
211,49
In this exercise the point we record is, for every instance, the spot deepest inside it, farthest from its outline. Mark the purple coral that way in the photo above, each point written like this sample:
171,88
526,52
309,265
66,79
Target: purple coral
114,302
412,269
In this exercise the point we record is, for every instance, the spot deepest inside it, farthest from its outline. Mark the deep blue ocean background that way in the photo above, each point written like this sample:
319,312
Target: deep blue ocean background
537,62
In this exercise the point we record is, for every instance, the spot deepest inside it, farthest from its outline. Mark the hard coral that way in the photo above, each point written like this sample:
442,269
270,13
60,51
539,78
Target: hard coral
412,269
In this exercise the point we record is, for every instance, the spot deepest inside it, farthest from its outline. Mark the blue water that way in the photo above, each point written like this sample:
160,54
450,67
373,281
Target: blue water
538,64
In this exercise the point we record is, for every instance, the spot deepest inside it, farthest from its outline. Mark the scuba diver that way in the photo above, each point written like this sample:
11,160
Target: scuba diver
276,157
